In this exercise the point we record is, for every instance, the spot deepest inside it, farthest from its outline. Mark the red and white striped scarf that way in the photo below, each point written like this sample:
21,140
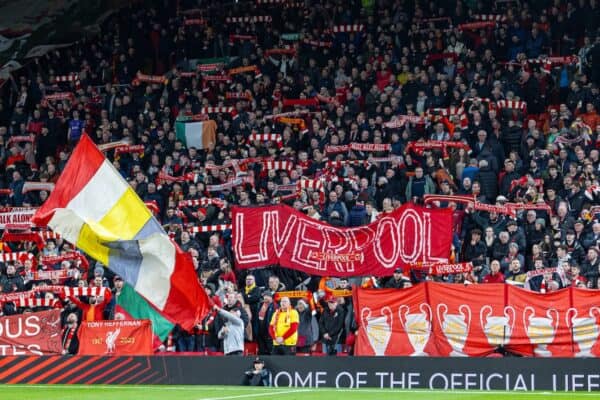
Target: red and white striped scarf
477,25
286,114
67,78
317,43
285,188
84,291
20,139
490,17
489,102
313,184
451,112
278,165
329,149
209,228
143,78
339,164
400,120
60,274
383,159
549,62
348,28
60,96
278,51
244,70
240,38
203,202
370,147
70,256
189,177
265,137
5,257
216,78
219,110
253,19
112,145
49,235
137,149
34,303
238,96
512,104
194,21
209,67
229,185
419,147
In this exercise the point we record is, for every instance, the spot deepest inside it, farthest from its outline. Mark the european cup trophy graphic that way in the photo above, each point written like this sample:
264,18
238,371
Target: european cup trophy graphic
417,327
379,331
584,330
455,327
497,329
540,330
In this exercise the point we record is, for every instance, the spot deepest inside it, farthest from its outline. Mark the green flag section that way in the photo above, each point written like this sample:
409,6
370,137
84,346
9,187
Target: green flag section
196,134
138,308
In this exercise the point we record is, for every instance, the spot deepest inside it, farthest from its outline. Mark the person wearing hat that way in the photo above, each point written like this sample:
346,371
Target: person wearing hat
331,326
397,281
258,375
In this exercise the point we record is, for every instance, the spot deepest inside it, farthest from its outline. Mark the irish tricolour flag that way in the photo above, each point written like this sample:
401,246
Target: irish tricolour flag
196,134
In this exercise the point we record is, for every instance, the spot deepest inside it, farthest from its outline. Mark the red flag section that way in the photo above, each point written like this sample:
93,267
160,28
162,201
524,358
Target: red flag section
280,235
434,319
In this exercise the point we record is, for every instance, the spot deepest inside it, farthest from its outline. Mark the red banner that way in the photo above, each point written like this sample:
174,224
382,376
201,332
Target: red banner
280,235
132,337
436,319
31,334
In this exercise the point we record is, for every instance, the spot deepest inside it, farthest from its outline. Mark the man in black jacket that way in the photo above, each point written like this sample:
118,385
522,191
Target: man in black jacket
488,179
397,281
331,325
252,298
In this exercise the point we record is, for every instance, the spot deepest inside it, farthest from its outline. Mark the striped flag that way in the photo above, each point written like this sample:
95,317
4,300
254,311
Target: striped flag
196,134
93,207
134,305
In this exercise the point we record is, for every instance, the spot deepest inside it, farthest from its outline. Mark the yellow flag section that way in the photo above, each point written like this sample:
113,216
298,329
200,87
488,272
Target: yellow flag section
93,207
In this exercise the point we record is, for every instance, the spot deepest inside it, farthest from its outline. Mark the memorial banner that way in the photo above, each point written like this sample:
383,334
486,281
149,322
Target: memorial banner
31,334
436,319
280,235
132,337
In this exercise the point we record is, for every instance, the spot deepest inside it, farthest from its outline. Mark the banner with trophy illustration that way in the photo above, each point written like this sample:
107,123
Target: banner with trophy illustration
437,319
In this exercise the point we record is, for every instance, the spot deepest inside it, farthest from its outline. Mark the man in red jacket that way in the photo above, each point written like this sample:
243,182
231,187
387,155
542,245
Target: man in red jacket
94,311
495,276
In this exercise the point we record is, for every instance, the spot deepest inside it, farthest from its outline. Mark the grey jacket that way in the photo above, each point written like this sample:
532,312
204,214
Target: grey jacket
233,340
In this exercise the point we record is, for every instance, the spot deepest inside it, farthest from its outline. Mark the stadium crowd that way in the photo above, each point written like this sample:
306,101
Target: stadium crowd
514,85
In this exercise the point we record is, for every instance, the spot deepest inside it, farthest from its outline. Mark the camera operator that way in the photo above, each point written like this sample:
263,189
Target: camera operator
258,375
